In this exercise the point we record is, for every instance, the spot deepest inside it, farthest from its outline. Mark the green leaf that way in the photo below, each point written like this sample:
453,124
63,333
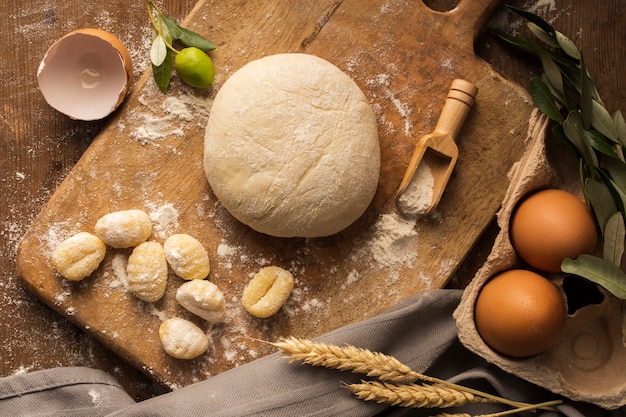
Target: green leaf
542,35
614,232
599,142
621,194
602,121
191,38
544,100
600,200
617,171
598,270
567,45
574,131
553,73
158,51
586,95
171,25
163,73
620,126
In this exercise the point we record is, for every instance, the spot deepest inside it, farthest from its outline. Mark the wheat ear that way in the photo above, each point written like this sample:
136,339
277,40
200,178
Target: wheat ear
347,358
413,395
372,364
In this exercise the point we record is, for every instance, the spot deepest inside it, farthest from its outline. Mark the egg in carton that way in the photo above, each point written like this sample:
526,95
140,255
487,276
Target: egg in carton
588,362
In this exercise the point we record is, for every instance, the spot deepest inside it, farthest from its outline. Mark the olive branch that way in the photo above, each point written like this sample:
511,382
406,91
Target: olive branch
567,94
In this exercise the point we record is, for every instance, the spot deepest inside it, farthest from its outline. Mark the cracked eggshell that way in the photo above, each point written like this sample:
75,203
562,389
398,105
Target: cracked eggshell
86,74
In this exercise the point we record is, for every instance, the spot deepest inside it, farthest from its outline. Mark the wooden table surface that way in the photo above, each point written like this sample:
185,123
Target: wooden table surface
39,146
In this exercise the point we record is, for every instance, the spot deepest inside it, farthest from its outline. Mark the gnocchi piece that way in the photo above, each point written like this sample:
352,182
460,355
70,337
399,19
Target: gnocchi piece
124,229
182,339
146,272
78,256
202,298
268,291
187,257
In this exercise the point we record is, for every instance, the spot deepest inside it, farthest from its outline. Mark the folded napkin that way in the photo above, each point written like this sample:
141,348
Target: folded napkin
420,332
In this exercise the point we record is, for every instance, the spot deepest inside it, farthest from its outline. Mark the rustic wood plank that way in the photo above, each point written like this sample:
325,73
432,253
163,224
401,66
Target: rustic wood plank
40,146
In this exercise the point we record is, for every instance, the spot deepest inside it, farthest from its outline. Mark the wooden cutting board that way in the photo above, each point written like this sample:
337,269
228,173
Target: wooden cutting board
404,56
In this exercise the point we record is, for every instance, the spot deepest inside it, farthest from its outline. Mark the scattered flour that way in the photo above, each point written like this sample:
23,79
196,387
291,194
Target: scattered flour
176,113
393,241
164,220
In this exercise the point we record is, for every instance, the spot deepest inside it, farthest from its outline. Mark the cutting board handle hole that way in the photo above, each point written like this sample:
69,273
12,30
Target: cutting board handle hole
441,5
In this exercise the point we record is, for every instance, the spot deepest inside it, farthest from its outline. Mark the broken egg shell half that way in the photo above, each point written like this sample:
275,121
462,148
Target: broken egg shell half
86,74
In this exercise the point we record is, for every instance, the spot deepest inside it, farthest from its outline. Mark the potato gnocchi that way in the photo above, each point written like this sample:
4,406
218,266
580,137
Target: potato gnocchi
78,256
124,229
187,257
182,339
202,298
268,291
146,272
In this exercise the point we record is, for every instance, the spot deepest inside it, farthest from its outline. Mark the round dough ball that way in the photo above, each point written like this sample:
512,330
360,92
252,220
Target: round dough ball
291,147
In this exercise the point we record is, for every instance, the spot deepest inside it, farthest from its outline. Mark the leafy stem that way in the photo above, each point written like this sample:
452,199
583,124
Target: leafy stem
166,31
567,94
152,8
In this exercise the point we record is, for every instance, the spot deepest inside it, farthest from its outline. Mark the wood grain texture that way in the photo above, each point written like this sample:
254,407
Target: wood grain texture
343,276
40,146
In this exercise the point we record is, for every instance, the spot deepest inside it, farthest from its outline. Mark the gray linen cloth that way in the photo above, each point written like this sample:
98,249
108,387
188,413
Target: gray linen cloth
419,332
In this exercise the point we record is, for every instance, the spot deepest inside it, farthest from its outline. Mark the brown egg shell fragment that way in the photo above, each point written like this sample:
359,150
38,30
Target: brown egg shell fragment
594,328
86,74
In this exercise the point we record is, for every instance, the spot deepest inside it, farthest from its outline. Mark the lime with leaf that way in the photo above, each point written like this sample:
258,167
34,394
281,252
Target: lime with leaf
192,63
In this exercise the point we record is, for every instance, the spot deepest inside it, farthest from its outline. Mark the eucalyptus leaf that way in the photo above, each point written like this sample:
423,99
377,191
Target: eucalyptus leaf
163,73
567,45
597,270
617,171
600,143
172,26
621,194
586,94
542,35
613,248
544,100
600,200
163,29
553,73
158,51
558,95
191,38
572,126
620,126
602,121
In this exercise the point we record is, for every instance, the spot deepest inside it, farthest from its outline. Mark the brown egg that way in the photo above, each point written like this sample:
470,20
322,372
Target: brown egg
519,313
86,74
551,225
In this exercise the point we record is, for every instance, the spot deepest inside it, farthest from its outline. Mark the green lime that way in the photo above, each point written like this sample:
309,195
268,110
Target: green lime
194,67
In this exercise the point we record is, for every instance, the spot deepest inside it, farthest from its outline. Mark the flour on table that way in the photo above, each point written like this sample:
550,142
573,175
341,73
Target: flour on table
392,243
176,114
164,220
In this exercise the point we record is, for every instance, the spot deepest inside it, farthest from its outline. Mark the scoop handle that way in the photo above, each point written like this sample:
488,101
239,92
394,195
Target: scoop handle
456,108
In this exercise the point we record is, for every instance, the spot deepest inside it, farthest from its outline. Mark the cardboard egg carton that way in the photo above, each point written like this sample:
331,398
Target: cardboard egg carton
588,363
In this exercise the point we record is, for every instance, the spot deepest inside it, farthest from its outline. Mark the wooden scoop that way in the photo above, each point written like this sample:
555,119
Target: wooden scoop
438,151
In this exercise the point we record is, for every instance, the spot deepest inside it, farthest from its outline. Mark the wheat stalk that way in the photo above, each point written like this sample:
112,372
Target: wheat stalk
347,358
529,407
413,395
372,364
